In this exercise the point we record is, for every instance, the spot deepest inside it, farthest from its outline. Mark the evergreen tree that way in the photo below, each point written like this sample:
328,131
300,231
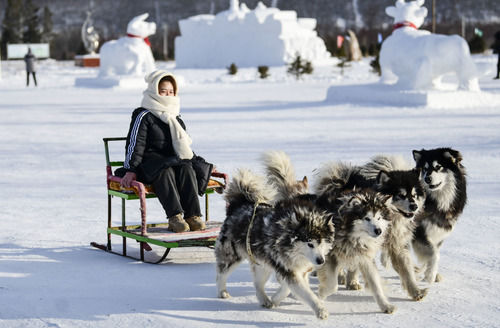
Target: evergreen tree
47,25
232,69
477,45
31,33
12,24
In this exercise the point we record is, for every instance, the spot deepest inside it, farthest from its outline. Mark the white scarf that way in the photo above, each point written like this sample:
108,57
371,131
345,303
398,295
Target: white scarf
167,108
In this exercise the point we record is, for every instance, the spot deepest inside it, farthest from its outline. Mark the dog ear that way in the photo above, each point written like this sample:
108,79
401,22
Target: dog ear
353,201
387,200
454,156
330,224
382,178
305,182
417,155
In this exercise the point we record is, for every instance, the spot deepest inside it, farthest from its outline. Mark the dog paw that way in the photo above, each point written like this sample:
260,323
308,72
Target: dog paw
420,294
389,308
322,314
276,301
439,278
224,294
267,304
354,285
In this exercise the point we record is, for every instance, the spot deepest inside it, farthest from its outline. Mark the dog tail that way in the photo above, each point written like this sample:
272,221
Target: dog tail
333,177
245,184
384,163
281,175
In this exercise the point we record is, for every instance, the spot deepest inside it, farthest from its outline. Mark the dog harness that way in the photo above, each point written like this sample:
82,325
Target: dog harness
250,225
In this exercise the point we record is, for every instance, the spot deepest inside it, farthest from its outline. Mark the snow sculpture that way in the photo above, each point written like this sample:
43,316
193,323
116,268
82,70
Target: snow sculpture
90,37
248,38
352,47
130,55
416,59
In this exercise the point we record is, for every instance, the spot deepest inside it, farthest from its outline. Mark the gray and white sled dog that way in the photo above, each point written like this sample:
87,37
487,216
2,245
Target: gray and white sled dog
290,239
281,175
361,219
444,180
392,176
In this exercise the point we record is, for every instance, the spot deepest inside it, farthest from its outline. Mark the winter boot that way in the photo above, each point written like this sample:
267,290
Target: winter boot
177,224
196,223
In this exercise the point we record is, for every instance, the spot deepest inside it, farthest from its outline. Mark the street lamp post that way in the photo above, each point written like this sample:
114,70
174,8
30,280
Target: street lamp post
165,40
433,16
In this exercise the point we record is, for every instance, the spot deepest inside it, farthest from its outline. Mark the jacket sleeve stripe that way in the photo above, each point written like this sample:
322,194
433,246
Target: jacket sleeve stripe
133,138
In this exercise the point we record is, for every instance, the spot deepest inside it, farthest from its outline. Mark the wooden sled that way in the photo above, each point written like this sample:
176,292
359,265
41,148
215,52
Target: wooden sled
147,234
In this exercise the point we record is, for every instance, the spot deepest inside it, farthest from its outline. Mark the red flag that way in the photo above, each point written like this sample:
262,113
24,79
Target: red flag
340,40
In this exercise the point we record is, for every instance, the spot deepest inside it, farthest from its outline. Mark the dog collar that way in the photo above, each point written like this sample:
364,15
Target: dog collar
146,39
404,24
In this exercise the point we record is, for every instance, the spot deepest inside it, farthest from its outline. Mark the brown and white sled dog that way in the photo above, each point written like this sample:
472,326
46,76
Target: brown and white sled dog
290,239
281,175
443,177
361,220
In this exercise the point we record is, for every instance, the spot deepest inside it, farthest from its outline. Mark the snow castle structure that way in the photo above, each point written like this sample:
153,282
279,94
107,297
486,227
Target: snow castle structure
248,38
415,59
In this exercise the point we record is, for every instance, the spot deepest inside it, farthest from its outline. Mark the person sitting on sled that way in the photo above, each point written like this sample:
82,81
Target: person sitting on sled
158,152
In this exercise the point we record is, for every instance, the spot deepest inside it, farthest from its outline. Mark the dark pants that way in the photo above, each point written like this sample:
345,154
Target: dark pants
498,66
28,78
177,190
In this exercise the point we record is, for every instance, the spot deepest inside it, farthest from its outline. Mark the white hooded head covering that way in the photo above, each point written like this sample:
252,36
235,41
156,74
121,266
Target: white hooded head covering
167,108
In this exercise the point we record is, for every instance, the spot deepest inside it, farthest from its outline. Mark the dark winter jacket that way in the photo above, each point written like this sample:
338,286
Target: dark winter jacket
496,44
149,150
30,59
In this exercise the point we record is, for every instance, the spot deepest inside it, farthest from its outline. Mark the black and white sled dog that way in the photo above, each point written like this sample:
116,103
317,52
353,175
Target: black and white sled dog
290,239
393,177
281,175
443,177
361,220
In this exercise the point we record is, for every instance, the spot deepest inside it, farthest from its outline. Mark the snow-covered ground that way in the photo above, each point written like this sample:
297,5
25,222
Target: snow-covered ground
54,200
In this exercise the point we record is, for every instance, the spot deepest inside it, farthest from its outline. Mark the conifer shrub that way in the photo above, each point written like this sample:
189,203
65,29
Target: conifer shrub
263,71
233,69
299,67
375,64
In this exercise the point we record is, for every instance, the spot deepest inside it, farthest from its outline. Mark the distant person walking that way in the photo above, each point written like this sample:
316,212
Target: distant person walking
496,50
30,59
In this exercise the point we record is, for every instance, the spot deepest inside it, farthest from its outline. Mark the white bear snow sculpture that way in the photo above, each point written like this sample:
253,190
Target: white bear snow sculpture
130,55
418,59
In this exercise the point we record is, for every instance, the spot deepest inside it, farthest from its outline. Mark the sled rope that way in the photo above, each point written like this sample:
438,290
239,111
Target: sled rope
249,250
